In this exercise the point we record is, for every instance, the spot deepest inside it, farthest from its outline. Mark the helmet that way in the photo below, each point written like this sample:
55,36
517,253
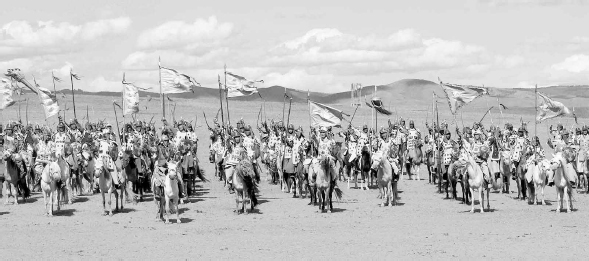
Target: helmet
559,126
384,130
290,126
411,122
138,124
236,134
521,129
60,125
365,127
322,129
585,128
248,128
165,137
376,101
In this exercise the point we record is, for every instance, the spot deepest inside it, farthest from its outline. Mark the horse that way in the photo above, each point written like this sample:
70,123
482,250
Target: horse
494,164
325,181
107,186
244,185
15,171
385,178
505,167
414,157
476,182
536,178
432,163
130,175
520,171
559,174
457,174
50,176
171,192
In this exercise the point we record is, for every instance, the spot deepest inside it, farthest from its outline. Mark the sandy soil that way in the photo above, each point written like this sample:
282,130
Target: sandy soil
425,225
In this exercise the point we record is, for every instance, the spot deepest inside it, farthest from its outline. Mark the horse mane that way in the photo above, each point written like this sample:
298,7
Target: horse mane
325,163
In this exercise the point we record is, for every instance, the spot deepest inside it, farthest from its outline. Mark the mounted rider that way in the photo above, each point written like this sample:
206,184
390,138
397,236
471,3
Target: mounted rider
237,152
250,142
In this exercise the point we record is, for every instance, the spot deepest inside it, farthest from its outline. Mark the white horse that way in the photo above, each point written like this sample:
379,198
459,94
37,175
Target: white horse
476,182
171,192
559,174
50,176
106,184
537,175
385,179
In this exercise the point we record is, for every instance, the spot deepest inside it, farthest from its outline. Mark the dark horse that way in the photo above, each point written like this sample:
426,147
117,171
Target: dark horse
129,167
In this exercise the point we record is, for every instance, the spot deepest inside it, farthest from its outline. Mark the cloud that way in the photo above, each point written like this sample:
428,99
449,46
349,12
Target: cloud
303,80
578,63
101,84
404,51
24,39
142,60
533,2
179,34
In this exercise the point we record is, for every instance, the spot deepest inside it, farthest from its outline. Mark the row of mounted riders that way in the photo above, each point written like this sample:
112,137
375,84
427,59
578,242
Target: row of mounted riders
78,170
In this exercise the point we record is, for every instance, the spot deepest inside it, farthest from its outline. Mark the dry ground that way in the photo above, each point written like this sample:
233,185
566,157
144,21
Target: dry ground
424,226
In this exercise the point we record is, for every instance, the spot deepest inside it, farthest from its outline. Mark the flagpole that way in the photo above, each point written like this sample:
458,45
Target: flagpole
73,96
159,63
124,121
221,100
227,95
27,112
283,104
535,121
309,104
54,90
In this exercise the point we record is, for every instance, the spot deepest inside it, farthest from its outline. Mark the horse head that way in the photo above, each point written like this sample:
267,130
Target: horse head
54,171
376,161
172,170
568,154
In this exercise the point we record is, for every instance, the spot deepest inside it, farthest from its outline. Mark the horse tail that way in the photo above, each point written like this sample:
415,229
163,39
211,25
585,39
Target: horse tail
24,188
200,173
252,188
338,193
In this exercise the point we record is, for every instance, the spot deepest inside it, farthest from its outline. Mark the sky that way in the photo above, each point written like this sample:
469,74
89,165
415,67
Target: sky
308,45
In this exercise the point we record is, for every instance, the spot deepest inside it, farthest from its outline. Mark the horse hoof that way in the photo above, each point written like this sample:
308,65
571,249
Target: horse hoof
382,205
167,222
110,214
178,222
472,211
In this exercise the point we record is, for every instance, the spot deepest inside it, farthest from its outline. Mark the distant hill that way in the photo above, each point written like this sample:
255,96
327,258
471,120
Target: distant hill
404,92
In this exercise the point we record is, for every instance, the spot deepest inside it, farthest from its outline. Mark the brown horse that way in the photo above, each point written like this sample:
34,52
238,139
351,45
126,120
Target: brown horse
414,158
14,170
387,183
323,171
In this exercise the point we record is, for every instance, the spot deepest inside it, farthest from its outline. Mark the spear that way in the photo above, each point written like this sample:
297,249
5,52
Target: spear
206,121
485,114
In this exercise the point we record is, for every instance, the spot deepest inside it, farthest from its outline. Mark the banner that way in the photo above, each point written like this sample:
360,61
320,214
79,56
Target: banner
324,116
49,102
6,91
130,98
175,82
460,95
549,108
238,86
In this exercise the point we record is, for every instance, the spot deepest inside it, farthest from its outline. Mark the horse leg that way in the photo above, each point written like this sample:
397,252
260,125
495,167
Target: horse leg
567,199
558,199
110,202
178,221
167,210
472,204
237,202
488,203
482,199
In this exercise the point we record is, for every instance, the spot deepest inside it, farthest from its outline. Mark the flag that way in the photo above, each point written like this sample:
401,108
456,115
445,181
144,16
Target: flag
175,82
130,98
324,116
55,78
238,86
49,102
169,99
77,77
6,91
460,95
549,108
376,103
115,103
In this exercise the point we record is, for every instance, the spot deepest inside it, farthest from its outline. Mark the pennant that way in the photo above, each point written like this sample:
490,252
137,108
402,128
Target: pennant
175,82
49,102
460,95
324,116
169,99
503,106
376,103
75,76
6,90
238,86
549,108
130,98
115,103
55,78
